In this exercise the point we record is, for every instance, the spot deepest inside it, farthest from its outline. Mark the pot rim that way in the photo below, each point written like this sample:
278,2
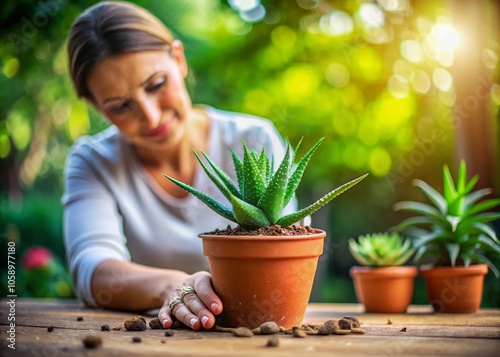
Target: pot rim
473,269
396,270
319,234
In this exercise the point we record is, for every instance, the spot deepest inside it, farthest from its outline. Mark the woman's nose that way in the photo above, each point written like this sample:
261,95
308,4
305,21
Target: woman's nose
150,112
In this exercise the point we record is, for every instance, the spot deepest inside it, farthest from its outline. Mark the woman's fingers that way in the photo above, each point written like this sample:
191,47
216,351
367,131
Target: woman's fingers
194,308
203,288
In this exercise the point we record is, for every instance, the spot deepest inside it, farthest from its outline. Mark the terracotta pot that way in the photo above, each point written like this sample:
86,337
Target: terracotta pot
263,278
387,289
458,289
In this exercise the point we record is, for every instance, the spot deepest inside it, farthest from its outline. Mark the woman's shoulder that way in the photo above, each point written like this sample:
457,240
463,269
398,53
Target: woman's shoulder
104,145
234,125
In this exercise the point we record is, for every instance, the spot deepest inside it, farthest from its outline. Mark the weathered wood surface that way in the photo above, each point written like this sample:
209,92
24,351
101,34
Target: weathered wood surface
427,334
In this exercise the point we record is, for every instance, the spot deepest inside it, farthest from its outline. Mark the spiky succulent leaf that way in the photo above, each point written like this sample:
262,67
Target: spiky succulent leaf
297,216
432,194
247,215
460,234
238,168
381,249
253,181
295,178
215,179
223,176
211,202
272,199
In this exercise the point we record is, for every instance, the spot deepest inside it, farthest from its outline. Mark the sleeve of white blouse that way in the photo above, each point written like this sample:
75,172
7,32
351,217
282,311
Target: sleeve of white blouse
92,225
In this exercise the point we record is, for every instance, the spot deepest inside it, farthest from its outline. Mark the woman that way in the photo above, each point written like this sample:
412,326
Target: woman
130,234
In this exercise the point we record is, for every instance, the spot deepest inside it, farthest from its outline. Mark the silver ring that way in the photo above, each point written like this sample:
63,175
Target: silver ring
186,290
174,301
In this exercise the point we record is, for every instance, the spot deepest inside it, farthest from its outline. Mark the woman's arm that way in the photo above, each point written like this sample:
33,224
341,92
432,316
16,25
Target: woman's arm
129,286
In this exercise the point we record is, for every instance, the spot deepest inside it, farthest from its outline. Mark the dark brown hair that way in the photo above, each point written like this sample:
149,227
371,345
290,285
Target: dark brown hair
111,28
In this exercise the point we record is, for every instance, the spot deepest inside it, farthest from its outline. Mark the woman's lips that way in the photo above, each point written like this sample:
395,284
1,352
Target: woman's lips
160,131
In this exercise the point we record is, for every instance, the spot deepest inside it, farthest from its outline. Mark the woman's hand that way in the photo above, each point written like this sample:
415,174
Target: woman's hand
195,309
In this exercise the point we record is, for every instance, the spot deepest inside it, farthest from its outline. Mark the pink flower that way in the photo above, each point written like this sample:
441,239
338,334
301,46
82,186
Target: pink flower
36,257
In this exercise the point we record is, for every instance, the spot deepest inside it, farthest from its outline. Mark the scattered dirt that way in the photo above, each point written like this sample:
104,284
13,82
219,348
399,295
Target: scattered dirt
389,322
297,332
50,328
403,329
79,318
275,230
136,323
136,339
155,324
105,328
92,341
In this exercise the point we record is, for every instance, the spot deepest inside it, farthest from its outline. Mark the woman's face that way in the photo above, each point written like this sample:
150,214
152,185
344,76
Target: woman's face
144,95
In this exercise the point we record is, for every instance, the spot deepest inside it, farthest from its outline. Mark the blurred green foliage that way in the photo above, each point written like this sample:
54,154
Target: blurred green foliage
373,77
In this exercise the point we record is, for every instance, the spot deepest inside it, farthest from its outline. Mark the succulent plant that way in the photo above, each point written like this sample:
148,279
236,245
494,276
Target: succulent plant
260,195
454,230
381,249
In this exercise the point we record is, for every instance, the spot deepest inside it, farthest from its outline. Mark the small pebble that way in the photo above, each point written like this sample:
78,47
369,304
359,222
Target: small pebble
389,322
155,324
136,339
403,329
92,341
269,328
136,323
79,318
105,328
50,328
273,341
169,333
163,341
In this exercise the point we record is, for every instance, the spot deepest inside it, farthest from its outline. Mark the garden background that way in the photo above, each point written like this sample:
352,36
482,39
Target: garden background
398,88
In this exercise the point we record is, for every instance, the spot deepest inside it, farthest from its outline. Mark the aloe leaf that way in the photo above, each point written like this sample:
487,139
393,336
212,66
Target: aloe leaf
296,177
485,217
482,259
220,185
261,163
222,176
297,216
271,201
453,250
470,185
489,244
247,215
453,221
462,177
418,207
297,148
486,230
238,168
269,170
450,193
254,182
211,202
475,196
482,206
432,194
412,221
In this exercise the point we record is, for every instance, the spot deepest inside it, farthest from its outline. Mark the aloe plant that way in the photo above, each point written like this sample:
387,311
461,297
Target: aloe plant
381,249
258,198
454,228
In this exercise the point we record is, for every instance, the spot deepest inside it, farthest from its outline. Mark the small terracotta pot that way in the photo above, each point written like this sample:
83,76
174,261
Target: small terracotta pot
457,289
387,289
263,278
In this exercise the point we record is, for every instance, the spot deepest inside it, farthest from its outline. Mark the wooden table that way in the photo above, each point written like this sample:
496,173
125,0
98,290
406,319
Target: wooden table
426,334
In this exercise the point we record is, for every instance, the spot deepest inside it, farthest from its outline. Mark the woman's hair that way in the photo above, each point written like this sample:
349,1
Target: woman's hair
111,28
